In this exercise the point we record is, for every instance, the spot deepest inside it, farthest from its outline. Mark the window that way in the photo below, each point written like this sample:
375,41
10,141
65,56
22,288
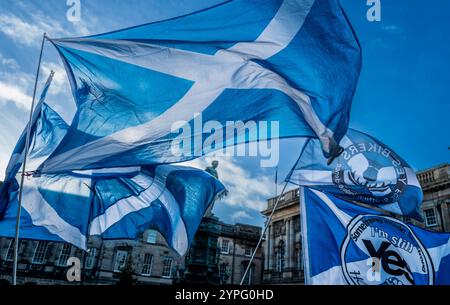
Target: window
40,252
64,254
406,219
248,251
280,257
430,217
147,267
90,258
223,272
167,267
10,252
121,260
225,246
282,198
151,236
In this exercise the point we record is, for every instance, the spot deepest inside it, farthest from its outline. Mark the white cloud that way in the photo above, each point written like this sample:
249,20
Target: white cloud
30,33
60,83
19,30
8,63
15,86
16,94
240,215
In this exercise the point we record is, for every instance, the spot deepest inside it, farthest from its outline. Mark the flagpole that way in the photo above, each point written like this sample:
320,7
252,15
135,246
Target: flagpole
27,144
263,233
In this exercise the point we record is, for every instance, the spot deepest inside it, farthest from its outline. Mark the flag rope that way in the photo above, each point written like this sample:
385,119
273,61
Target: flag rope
23,174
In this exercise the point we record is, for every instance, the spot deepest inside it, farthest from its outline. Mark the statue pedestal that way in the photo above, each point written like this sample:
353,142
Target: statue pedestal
203,256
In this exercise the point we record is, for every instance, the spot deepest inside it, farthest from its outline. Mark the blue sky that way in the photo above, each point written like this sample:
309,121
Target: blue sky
401,97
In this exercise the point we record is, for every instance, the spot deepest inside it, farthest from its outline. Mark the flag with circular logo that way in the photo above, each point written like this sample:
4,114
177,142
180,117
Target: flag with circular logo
367,171
347,244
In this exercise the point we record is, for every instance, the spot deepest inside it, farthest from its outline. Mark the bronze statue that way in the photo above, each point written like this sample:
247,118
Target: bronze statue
213,169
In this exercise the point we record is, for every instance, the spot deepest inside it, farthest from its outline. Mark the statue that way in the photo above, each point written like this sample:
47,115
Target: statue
212,169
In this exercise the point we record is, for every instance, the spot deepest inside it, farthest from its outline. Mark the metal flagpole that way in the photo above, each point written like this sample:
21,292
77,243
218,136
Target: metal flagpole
27,144
263,233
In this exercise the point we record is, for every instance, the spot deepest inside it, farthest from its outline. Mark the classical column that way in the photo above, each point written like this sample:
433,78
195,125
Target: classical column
288,245
292,243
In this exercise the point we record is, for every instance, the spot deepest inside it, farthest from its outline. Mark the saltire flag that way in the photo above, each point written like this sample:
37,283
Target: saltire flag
46,131
367,171
71,207
287,61
113,203
347,244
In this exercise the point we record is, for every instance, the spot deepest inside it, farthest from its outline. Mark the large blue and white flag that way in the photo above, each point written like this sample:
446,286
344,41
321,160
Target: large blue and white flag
170,199
350,244
71,207
367,171
292,62
46,131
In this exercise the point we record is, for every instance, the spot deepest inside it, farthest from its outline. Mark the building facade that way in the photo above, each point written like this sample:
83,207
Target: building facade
236,245
435,184
151,260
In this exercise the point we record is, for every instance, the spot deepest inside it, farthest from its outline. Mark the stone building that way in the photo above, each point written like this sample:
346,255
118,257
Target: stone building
46,262
282,245
236,245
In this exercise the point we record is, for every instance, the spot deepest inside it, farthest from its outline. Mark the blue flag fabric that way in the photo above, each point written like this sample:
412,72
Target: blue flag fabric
349,244
64,207
170,199
44,137
367,171
292,62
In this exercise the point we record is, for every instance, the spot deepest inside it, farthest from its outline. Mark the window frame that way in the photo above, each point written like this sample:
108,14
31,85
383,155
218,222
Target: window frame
42,253
90,259
164,268
227,242
280,260
66,250
10,251
154,234
147,265
223,272
427,224
116,267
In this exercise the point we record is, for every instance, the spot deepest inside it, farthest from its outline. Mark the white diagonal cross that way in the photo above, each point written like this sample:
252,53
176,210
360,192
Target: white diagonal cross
211,74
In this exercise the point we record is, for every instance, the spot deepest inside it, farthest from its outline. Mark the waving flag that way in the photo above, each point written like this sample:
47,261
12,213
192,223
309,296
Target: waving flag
63,207
292,62
171,199
367,171
349,244
43,140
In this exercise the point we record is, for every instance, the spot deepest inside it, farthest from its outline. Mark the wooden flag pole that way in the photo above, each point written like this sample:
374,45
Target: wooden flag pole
27,144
